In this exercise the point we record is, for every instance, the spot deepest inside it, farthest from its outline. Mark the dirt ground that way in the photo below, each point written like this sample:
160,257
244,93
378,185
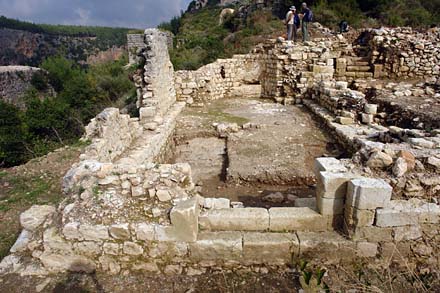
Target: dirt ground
276,154
218,281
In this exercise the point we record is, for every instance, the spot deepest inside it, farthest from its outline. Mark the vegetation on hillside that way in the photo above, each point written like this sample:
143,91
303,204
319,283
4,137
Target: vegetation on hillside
200,39
49,123
105,36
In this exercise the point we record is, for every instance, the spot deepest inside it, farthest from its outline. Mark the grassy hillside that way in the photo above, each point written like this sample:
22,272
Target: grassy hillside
200,39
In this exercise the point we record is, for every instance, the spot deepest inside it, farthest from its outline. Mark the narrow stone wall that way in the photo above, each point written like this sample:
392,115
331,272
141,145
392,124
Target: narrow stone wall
155,80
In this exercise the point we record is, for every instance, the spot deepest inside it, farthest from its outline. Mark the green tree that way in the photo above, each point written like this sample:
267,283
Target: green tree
12,136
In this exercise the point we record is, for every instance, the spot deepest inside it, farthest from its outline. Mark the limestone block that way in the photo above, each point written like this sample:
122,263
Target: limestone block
247,219
368,194
373,234
88,248
367,118
344,120
54,242
22,241
137,191
185,219
306,203
71,231
333,185
111,248
94,232
146,113
296,219
358,218
406,233
34,217
144,231
110,265
323,246
269,248
328,165
395,218
163,195
330,206
132,248
217,246
370,109
120,231
216,203
62,262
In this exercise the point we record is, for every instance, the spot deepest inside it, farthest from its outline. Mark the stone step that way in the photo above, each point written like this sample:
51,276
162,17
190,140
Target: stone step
359,68
260,219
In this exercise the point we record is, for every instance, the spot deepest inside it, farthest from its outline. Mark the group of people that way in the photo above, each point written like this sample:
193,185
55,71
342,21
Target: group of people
294,21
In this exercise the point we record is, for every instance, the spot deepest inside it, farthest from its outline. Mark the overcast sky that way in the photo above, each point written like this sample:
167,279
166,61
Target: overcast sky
122,13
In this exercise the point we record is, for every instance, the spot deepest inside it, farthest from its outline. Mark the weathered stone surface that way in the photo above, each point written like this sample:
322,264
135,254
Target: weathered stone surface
61,263
269,248
22,241
94,233
306,203
358,218
132,248
185,219
328,165
217,203
120,231
71,230
111,248
379,160
54,242
409,159
400,167
370,109
144,231
406,233
163,195
217,246
108,264
296,219
247,219
88,248
330,206
35,217
434,162
333,185
324,246
368,194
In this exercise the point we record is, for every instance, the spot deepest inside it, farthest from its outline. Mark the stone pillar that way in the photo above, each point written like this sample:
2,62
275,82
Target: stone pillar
155,81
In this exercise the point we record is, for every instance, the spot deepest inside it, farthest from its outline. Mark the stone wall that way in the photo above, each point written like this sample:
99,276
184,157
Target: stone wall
239,75
155,79
14,82
404,52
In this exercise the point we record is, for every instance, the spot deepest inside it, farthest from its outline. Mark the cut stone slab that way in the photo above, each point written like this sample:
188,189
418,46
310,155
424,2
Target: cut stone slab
36,216
368,194
22,241
246,219
217,246
296,219
94,233
328,245
185,219
217,203
306,203
269,248
333,185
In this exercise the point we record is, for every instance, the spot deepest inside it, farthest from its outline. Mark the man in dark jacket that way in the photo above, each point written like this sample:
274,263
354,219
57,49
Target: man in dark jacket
307,18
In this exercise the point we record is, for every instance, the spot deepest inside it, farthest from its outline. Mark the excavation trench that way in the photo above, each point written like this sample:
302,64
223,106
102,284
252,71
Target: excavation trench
266,162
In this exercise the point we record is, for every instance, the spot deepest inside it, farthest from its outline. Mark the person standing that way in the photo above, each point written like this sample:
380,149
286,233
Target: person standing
293,23
307,18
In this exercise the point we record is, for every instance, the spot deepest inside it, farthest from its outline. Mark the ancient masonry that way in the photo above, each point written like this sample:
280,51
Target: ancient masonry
125,211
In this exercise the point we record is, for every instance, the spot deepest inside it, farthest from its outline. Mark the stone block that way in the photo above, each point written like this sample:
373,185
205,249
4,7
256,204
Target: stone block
368,194
94,232
144,231
373,234
296,219
132,248
328,165
306,203
217,246
246,219
358,218
327,246
185,219
395,218
217,203
330,206
120,231
370,109
406,233
147,113
269,248
111,248
344,120
367,118
62,263
34,217
333,185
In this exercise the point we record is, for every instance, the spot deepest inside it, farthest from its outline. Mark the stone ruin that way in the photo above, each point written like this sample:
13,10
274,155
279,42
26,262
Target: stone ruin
125,210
